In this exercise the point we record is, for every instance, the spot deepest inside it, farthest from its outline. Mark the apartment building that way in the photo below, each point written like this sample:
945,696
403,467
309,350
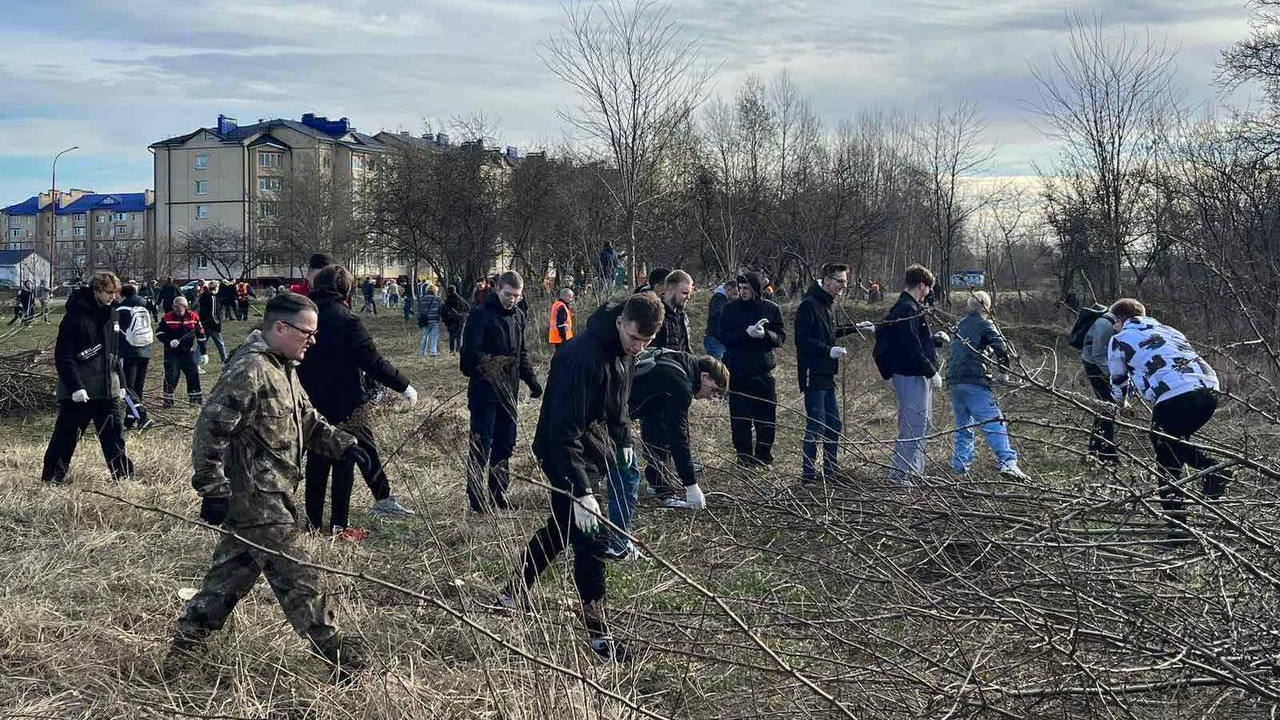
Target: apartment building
90,232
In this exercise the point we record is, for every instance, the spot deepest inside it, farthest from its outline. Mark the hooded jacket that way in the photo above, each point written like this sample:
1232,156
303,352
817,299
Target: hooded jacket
660,400
584,417
674,332
903,343
330,371
86,353
975,335
816,333
124,315
493,330
167,295
1097,341
455,309
251,433
719,299
744,355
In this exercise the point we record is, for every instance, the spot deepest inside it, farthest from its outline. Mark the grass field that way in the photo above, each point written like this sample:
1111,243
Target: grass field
974,597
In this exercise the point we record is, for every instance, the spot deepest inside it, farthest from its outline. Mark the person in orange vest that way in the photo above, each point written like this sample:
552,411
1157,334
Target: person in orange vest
243,293
560,329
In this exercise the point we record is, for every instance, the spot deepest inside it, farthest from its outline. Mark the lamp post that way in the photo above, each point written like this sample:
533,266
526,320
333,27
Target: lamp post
53,218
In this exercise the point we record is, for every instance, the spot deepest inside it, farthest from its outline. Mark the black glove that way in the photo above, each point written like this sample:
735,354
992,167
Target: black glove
357,455
213,510
535,390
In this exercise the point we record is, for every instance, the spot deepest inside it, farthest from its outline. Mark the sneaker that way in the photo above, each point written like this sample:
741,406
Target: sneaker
200,369
146,424
675,503
1011,469
389,507
351,535
629,554
611,650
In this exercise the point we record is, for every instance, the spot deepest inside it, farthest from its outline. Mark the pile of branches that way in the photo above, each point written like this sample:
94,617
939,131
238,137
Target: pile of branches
26,383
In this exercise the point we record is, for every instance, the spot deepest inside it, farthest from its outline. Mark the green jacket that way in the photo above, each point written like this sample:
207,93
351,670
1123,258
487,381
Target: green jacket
251,434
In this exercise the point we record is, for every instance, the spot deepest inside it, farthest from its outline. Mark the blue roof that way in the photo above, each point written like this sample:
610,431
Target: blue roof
30,206
114,202
13,257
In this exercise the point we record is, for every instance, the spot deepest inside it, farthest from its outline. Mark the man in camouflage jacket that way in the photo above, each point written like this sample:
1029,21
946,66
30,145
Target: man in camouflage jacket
247,460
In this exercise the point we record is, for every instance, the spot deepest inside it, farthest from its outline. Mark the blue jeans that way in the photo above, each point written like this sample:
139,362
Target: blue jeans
714,347
822,420
975,404
915,410
624,483
430,340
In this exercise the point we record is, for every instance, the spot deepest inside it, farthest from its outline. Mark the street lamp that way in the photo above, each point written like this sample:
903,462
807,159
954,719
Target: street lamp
53,218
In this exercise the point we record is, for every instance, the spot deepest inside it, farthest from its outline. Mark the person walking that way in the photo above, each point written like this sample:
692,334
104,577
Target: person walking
1094,357
677,288
167,294
226,299
560,321
906,353
27,302
244,291
818,356
392,291
43,294
969,379
727,291
179,331
344,353
429,308
495,359
367,289
89,389
245,457
587,388
454,316
1156,361
751,329
136,337
212,324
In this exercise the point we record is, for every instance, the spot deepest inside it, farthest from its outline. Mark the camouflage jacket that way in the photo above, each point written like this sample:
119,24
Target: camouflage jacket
251,433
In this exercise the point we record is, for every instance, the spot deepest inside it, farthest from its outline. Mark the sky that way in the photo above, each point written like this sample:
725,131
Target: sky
114,77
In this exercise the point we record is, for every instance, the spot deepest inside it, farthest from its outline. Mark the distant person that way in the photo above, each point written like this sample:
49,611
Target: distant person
406,305
607,268
244,291
454,316
86,357
1094,348
657,277
560,322
818,353
43,294
168,293
726,292
179,331
676,289
367,289
429,307
392,291
751,329
226,300
208,310
136,338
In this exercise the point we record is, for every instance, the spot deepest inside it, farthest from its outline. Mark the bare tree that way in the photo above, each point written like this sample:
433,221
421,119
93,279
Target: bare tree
637,83
1257,57
226,249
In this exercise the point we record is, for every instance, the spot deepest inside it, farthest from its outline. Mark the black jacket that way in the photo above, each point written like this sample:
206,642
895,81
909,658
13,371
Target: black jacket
124,315
208,318
226,295
660,400
454,310
86,353
714,308
330,371
167,295
674,333
584,412
494,330
816,333
744,355
903,343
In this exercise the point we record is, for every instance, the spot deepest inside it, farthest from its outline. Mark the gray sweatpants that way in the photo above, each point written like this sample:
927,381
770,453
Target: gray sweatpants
915,410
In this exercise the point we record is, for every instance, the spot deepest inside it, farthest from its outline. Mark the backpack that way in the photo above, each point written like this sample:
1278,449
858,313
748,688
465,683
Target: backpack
139,333
1084,322
649,358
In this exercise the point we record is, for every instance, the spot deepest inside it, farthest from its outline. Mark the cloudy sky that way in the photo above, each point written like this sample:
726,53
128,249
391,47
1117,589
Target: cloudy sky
114,77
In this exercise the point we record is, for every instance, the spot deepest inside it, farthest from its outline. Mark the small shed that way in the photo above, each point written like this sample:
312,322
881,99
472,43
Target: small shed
18,266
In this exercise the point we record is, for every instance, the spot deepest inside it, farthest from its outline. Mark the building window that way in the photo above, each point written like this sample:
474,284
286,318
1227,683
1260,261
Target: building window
202,212
269,184
202,262
100,218
98,232
266,209
119,217
270,159
120,230
15,234
202,187
202,162
79,232
79,218
15,222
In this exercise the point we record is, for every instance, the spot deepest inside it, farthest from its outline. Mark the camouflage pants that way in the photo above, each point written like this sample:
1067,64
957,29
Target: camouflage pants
234,570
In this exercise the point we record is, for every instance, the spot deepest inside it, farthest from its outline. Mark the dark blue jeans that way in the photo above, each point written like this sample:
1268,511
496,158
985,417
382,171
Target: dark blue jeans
822,422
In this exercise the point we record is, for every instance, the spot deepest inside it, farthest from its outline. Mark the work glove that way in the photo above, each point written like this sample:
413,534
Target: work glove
866,326
410,396
838,352
936,381
757,331
173,343
80,395
628,455
694,497
213,510
357,455
586,514
535,389
123,393
941,338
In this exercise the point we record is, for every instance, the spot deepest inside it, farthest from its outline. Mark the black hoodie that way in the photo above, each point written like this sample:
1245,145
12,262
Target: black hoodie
816,333
86,353
493,330
744,355
584,413
660,399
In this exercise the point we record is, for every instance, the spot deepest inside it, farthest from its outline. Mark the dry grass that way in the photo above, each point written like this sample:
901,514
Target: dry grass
974,598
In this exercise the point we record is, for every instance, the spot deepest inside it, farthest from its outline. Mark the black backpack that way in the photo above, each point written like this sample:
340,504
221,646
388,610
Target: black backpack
1084,321
649,358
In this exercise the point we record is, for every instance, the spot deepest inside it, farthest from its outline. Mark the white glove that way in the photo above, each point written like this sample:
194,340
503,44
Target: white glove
80,395
628,456
204,359
586,514
694,498
838,352
123,393
941,338
936,381
411,396
866,326
1002,378
173,343
757,331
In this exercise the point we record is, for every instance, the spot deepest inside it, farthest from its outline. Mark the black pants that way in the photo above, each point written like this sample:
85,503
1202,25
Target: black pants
455,337
658,470
588,569
1102,442
1180,417
753,407
184,362
320,469
242,309
135,379
493,439
107,417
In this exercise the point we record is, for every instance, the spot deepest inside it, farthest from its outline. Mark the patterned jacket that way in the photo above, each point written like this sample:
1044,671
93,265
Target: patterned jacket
1159,359
251,434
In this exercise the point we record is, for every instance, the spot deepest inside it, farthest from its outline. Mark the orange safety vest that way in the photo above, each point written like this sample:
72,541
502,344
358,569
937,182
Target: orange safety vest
242,290
553,332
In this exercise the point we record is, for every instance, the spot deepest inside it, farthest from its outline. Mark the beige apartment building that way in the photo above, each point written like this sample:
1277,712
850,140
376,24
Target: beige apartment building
91,232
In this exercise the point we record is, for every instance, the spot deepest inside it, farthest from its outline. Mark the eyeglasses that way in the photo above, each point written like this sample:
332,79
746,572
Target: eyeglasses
308,334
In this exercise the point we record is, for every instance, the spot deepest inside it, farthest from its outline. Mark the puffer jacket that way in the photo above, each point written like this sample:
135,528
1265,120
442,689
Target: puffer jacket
975,335
86,353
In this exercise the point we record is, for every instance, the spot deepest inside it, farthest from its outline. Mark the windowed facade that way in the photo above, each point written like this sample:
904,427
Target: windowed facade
202,162
15,233
79,232
270,159
202,212
202,187
267,209
202,262
119,217
269,184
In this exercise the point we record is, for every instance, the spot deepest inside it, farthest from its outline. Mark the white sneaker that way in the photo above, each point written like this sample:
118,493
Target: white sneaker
1011,469
675,503
389,507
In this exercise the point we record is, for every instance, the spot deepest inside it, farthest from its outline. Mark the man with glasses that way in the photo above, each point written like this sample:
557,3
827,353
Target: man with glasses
246,457
817,362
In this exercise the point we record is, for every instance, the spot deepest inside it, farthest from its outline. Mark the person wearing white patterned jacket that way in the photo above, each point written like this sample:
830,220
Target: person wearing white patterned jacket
1157,362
